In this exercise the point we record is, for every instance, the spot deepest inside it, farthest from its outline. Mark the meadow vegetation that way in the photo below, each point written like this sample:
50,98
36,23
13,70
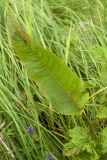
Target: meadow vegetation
54,106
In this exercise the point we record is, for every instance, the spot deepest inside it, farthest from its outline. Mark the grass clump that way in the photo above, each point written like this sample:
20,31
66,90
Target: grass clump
29,127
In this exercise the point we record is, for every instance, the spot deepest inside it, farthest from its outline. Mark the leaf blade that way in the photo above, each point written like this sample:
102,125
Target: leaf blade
55,80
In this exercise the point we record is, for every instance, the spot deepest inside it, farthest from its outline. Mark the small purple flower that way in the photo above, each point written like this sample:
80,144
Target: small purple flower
30,130
50,156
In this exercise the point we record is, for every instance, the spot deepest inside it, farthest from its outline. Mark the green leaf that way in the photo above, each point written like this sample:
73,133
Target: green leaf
91,156
103,141
102,112
100,55
80,141
58,84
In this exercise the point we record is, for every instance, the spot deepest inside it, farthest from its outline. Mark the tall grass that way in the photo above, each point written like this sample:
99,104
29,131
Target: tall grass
76,32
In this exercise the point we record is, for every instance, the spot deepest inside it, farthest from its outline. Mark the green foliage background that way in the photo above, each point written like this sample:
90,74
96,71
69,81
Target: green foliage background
45,77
